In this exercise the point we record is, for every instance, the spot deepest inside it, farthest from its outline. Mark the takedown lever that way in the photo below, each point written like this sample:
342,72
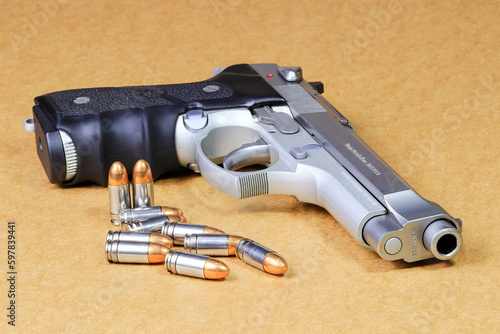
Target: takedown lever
282,121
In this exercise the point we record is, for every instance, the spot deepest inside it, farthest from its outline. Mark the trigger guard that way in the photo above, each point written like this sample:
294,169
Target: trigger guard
219,178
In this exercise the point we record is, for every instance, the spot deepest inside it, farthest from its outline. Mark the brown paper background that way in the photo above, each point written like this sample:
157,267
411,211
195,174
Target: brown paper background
419,79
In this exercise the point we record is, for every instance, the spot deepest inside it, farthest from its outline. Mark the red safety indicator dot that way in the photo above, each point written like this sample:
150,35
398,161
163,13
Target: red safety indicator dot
270,75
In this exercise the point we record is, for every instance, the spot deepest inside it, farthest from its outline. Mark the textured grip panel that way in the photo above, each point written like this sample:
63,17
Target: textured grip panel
131,123
141,97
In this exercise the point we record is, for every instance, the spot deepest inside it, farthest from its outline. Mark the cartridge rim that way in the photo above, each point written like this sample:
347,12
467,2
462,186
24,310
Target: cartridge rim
240,247
111,250
211,244
170,261
168,229
190,243
107,250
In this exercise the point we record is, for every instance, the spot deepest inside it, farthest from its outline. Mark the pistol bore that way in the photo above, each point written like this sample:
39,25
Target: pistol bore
119,191
142,183
442,239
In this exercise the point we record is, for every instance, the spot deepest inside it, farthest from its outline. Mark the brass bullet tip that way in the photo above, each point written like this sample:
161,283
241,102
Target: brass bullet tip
232,242
157,253
215,269
210,230
142,173
161,239
274,264
177,219
117,174
168,210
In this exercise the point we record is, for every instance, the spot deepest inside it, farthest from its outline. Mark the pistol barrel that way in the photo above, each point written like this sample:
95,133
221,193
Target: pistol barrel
442,239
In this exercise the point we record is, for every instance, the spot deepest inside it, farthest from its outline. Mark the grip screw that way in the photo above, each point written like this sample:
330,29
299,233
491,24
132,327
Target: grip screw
211,88
81,100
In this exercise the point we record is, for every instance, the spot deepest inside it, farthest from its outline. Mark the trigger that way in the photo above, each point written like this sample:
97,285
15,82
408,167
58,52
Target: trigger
257,153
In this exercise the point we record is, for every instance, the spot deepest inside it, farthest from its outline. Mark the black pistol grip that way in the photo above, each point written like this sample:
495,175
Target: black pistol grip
131,123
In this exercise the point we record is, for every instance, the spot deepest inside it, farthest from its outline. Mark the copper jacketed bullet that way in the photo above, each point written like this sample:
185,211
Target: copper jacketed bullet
119,191
246,250
177,231
142,183
148,237
194,265
260,257
135,252
137,214
153,224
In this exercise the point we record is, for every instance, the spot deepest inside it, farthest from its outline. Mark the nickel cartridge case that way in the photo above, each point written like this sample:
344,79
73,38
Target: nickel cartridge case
142,183
194,265
119,191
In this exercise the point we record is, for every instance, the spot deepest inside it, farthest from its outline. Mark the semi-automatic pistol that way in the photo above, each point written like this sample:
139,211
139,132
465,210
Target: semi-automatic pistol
249,130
